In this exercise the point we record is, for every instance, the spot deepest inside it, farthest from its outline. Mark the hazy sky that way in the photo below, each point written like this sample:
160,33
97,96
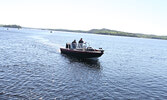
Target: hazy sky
138,16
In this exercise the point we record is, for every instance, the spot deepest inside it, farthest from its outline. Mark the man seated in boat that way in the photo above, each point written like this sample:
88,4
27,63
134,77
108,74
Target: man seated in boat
80,43
74,44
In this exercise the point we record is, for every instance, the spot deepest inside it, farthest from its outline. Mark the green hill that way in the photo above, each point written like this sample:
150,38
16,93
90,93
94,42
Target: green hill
120,33
115,33
11,26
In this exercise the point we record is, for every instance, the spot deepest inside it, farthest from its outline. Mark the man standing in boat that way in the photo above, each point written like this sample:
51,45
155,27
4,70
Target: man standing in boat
80,43
74,44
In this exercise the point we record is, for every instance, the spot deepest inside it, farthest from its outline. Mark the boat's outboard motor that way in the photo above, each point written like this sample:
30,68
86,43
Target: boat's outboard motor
68,45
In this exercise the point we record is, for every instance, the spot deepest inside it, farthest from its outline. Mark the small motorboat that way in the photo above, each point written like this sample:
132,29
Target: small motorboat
83,52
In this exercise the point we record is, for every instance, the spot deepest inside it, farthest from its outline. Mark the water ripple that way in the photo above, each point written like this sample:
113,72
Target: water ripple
32,68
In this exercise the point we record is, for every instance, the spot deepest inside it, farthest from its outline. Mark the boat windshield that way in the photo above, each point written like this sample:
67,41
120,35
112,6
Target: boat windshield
83,45
79,45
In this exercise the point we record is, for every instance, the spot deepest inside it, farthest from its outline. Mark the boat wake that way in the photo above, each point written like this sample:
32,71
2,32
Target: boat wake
47,42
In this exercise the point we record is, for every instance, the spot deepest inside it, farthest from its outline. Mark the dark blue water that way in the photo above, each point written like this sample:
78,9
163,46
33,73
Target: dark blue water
32,68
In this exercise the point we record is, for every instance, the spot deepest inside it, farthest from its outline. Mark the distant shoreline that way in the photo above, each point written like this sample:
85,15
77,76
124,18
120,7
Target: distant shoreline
112,33
11,26
98,31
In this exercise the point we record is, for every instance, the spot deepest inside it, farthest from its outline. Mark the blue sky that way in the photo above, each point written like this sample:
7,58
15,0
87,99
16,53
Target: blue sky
137,16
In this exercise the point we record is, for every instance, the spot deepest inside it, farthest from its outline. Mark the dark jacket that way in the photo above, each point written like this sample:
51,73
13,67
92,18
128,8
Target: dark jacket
81,41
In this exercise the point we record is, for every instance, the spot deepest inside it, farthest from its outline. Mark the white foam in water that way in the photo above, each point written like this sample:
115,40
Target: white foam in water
47,42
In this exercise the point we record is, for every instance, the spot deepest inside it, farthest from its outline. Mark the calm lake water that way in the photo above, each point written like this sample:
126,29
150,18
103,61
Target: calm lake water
32,67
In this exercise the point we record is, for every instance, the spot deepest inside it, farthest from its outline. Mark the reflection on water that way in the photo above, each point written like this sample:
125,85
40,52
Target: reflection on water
92,63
